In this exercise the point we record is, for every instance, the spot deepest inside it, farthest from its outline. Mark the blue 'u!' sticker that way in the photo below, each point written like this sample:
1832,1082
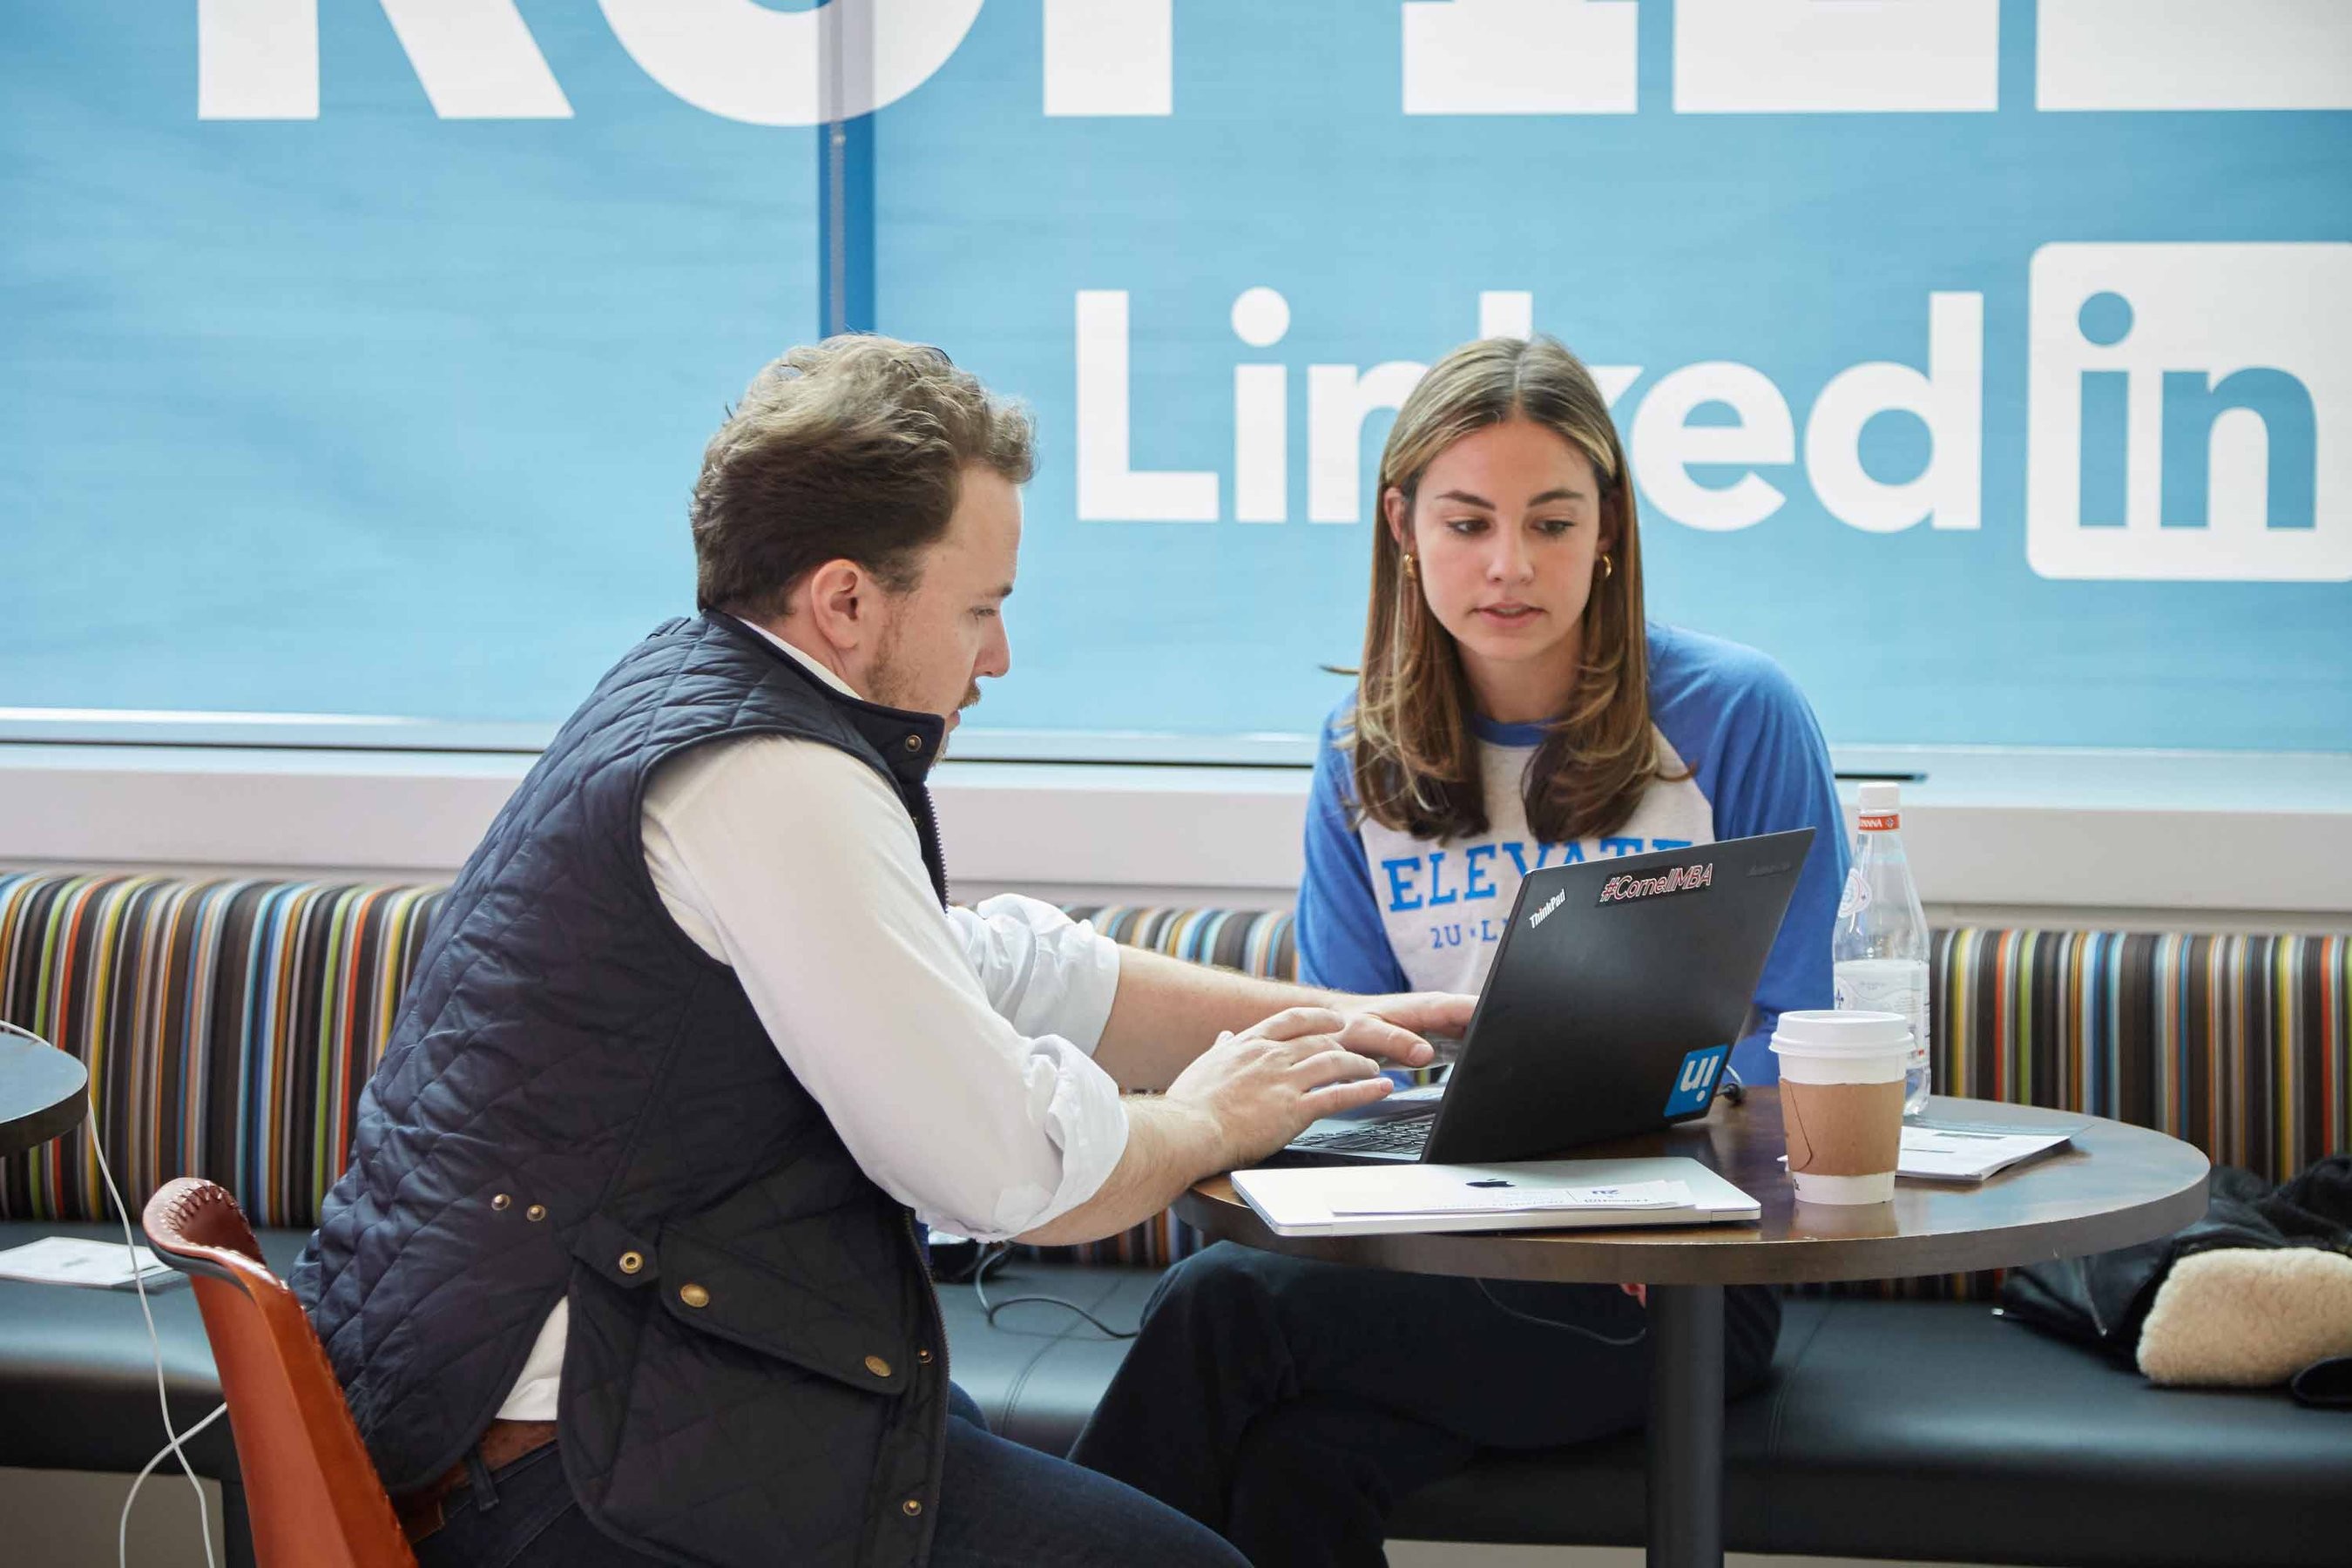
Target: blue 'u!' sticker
1695,1080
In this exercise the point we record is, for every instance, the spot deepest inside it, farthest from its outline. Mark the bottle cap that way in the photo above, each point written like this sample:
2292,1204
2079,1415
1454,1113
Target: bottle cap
1877,799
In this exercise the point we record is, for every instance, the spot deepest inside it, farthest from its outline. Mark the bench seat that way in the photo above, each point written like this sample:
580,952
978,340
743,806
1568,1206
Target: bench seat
1929,1430
1908,1428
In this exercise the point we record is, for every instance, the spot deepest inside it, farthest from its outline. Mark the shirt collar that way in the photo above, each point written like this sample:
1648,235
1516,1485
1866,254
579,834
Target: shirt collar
805,661
1495,733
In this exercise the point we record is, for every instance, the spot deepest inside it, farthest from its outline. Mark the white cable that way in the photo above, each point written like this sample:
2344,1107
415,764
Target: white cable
154,1341
1510,1312
122,1530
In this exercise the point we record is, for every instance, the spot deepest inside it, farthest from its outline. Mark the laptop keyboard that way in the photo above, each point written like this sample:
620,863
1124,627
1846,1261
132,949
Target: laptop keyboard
1402,1135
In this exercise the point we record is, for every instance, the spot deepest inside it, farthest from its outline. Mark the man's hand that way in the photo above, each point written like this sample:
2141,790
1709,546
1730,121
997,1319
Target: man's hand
1423,1012
1261,1087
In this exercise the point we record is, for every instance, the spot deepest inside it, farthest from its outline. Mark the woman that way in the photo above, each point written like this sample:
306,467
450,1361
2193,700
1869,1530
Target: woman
1513,711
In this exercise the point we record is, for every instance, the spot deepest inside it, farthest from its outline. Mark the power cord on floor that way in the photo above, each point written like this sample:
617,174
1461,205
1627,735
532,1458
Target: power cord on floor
1511,1312
154,1343
997,1252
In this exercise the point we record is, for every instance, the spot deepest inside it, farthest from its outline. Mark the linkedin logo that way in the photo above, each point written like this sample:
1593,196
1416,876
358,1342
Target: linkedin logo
2189,413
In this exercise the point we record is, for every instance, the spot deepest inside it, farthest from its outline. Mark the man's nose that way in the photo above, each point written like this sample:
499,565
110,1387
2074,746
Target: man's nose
996,658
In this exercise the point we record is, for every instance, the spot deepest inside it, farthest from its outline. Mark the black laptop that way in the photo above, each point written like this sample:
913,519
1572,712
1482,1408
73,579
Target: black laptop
1609,1009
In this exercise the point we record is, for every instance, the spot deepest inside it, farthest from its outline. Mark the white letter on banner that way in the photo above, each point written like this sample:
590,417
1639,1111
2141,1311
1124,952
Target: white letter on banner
1665,444
1261,412
259,60
1520,57
1614,381
1338,401
1949,399
476,60
1836,57
1108,491
1507,313
1110,57
2193,53
1511,313
739,59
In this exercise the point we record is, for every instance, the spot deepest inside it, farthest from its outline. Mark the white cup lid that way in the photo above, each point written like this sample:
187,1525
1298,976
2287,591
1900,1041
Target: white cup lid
1827,1032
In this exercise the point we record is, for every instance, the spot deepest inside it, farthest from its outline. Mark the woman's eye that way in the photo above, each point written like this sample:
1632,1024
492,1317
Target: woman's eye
1466,524
1553,527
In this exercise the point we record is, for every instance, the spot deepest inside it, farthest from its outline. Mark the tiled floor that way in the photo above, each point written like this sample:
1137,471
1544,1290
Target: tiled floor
67,1519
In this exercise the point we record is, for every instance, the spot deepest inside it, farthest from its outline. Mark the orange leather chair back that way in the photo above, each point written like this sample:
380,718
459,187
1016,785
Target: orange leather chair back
310,1488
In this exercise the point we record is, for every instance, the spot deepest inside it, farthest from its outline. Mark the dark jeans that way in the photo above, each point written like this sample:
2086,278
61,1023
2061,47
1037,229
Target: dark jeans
1001,1506
1287,1403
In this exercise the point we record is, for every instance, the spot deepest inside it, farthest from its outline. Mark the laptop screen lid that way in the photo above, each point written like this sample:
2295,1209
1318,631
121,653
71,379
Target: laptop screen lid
1617,992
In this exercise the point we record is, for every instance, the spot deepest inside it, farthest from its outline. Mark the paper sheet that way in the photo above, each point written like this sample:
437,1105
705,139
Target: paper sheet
1948,1154
71,1260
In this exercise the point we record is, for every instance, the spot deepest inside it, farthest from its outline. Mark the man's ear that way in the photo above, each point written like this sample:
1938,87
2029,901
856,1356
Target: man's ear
839,599
1399,512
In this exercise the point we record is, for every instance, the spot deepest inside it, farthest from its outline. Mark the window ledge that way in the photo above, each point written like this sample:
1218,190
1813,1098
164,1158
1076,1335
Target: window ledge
1986,827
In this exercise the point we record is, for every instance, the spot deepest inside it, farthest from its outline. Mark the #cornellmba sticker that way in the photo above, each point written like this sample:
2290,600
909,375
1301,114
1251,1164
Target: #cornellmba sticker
1678,879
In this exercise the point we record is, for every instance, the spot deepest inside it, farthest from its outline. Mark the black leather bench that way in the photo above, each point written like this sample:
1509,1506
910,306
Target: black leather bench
1891,1428
1919,1430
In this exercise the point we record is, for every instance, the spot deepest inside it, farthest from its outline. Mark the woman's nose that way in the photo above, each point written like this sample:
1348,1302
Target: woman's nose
1510,563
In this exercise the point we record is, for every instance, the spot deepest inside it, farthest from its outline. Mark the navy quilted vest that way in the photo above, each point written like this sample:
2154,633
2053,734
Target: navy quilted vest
577,1102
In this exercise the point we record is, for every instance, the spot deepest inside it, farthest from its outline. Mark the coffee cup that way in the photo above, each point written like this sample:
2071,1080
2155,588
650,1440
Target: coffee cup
1841,1102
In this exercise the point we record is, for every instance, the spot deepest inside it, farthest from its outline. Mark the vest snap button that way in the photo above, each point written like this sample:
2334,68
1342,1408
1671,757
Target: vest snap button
911,1506
914,743
694,1295
923,1356
500,1202
632,1261
877,1366
536,1211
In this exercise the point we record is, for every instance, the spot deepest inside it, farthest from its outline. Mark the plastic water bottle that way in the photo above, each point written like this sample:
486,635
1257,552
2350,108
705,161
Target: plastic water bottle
1879,953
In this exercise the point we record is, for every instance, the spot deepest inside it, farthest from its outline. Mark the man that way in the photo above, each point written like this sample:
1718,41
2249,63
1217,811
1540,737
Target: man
624,1267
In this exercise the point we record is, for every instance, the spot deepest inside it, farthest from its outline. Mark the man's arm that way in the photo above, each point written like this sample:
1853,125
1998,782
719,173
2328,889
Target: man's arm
1237,1102
872,1002
795,864
1165,1012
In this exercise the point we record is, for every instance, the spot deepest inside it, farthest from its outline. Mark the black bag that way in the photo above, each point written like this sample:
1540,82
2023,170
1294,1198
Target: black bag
2101,1301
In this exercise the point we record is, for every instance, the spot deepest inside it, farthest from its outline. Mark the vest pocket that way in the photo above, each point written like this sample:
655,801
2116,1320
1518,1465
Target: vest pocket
853,1324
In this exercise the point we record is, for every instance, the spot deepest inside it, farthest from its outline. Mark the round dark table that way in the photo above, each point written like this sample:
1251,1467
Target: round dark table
2115,1185
41,1093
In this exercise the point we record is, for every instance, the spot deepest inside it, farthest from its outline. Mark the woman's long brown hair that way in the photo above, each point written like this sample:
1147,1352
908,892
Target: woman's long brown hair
1415,754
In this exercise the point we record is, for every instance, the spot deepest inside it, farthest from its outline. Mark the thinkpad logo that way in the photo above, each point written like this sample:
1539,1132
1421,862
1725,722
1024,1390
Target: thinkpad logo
1681,880
1554,902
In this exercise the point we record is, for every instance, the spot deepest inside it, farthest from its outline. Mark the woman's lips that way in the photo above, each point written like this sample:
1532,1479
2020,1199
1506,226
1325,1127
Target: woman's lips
1509,615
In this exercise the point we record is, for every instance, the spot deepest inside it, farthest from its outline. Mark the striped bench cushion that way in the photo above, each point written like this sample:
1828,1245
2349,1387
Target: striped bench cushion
228,1027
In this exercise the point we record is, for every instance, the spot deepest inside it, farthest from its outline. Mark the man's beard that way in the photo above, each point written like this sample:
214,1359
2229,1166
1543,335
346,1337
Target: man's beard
889,683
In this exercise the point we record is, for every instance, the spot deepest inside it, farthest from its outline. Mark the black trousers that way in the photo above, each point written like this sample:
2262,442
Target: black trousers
1287,1403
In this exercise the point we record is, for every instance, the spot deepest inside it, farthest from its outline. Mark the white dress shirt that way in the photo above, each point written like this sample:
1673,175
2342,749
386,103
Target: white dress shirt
950,1051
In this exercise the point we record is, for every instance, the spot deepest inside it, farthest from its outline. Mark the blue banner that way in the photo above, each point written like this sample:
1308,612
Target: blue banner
1988,362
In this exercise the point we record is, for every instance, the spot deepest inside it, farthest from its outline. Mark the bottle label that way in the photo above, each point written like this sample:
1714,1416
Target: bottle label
1855,897
1882,821
1887,985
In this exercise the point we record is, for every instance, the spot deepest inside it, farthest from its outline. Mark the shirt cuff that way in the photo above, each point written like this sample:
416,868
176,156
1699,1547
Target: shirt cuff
1084,1114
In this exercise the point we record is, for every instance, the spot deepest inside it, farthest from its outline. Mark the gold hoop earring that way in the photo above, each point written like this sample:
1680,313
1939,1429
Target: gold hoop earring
1608,567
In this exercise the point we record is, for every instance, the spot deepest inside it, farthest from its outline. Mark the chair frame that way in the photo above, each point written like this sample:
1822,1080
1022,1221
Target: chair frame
312,1492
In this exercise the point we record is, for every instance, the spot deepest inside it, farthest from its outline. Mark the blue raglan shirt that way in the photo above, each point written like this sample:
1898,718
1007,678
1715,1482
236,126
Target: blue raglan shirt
1380,911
